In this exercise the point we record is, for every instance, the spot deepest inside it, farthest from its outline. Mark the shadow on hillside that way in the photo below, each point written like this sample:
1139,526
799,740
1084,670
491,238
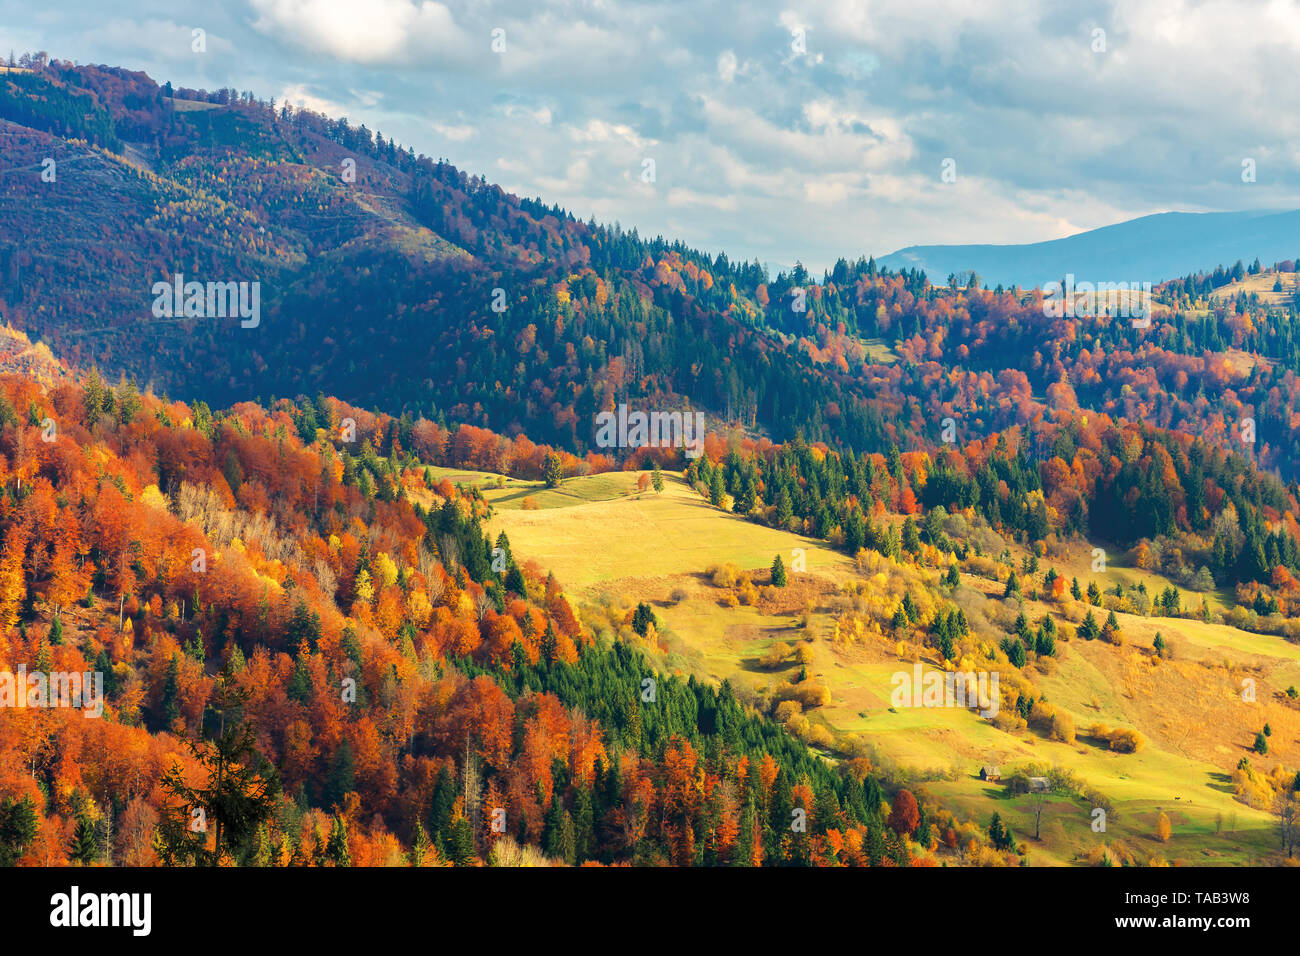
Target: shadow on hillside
1221,782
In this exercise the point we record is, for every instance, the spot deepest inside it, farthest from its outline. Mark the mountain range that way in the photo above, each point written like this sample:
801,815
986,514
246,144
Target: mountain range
1148,249
301,454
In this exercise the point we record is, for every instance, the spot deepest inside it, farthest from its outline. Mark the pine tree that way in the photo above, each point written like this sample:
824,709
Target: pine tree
461,843
1110,630
19,825
241,790
554,471
1015,651
999,836
1088,629
743,854
584,826
419,845
549,643
642,618
553,829
336,851
717,490
84,848
784,509
170,706
778,572
657,479
911,540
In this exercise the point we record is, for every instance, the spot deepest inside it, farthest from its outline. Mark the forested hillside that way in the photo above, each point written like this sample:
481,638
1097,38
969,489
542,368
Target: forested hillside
269,537
392,686
400,282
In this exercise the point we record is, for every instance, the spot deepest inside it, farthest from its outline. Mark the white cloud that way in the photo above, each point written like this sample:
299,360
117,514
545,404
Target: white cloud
378,32
299,95
457,134
727,64
680,198
834,152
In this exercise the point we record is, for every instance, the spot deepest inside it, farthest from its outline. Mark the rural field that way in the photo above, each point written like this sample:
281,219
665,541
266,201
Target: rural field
666,544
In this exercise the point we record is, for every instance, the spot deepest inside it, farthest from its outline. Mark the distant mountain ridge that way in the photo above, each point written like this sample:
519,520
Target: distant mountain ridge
396,282
1148,249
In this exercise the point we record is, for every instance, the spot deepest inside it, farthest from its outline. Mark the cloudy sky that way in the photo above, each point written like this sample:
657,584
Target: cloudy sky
778,130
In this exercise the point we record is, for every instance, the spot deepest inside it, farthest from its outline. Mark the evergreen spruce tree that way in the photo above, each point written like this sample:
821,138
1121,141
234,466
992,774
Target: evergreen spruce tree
170,705
84,848
554,472
419,845
778,572
1088,629
241,789
642,618
461,843
911,540
19,825
336,851
717,490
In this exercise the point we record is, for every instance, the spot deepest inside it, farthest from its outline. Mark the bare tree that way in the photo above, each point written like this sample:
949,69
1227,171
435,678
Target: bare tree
450,549
1284,805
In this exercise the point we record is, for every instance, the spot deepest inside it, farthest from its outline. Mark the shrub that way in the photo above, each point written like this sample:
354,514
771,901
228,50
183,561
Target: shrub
787,709
1063,727
818,736
775,654
726,575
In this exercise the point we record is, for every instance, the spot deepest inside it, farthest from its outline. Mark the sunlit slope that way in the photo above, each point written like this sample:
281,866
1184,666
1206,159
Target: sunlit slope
600,528
611,545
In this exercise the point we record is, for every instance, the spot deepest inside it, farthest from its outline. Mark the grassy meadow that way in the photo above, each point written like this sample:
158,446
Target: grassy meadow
611,546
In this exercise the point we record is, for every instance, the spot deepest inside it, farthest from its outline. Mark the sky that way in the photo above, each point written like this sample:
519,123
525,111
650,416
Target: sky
775,131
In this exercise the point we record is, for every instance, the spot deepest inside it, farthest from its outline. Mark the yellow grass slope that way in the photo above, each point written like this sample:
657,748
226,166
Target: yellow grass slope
611,546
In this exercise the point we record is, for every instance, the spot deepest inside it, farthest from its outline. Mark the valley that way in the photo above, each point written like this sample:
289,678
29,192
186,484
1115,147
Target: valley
667,543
